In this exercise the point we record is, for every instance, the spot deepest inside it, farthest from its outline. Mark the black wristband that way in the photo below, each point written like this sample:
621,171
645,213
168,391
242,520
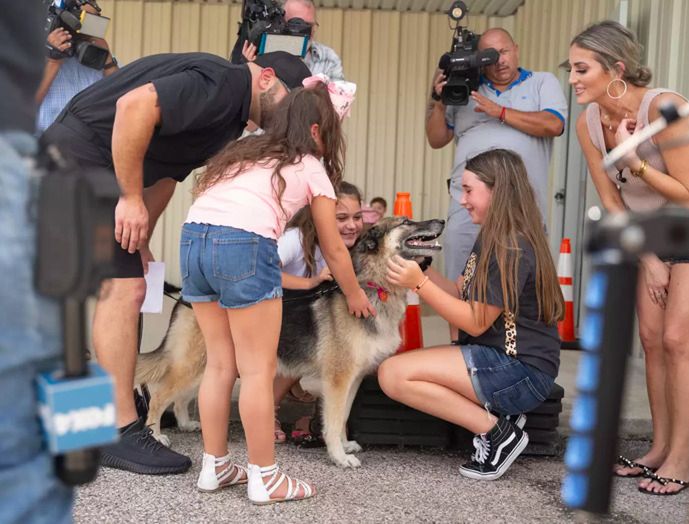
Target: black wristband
112,64
435,96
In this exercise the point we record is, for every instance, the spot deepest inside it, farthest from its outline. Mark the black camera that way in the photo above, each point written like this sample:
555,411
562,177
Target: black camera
267,29
462,65
69,15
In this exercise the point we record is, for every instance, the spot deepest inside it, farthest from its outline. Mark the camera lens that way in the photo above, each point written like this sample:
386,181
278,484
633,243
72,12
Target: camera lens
457,90
458,95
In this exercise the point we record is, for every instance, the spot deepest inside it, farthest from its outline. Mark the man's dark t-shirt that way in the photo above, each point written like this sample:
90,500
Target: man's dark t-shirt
204,103
536,343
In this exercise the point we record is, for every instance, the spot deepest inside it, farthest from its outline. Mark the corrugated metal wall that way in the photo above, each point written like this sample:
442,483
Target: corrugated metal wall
391,55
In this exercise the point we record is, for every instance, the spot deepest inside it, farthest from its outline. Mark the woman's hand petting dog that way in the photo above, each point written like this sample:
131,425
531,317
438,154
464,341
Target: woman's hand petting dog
404,273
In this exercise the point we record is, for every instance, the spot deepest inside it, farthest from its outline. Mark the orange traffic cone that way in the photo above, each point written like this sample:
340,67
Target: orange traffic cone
403,206
564,274
410,328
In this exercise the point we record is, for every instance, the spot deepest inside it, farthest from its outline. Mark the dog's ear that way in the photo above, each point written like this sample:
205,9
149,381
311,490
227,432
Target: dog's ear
370,241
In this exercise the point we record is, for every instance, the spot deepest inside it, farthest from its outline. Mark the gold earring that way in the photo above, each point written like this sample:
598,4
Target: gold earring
624,88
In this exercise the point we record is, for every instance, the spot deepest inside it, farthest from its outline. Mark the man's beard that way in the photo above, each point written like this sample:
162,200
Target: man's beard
268,104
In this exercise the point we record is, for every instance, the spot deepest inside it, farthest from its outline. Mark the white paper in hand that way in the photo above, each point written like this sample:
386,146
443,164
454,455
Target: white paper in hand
153,303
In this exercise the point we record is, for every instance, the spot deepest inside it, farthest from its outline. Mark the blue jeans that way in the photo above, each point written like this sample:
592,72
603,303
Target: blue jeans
504,384
30,335
231,266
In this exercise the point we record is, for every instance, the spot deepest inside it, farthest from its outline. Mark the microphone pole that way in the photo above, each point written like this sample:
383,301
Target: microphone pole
669,113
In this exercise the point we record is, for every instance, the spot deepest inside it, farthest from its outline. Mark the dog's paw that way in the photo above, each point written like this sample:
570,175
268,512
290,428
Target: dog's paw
192,425
163,439
351,446
347,461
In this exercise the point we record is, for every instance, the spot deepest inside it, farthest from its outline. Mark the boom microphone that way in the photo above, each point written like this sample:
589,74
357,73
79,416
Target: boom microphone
669,113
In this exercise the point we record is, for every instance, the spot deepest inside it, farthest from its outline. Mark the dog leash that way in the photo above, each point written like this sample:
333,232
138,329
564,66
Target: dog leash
170,291
326,288
173,292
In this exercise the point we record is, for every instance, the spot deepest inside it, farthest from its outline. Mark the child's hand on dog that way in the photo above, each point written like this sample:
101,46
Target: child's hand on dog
359,304
324,275
404,273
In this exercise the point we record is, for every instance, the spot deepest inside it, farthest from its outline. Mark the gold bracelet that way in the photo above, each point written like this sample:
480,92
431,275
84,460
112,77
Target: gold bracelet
641,171
420,284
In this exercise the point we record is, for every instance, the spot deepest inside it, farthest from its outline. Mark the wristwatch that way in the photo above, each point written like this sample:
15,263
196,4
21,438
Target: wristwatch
435,96
111,64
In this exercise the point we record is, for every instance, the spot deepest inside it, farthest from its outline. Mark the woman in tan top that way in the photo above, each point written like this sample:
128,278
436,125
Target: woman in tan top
606,74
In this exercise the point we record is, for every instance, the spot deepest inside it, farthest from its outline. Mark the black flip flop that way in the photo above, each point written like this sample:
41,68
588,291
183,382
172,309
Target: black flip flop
665,481
625,462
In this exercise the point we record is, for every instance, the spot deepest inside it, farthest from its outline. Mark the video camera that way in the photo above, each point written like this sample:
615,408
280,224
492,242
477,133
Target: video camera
462,65
83,26
264,25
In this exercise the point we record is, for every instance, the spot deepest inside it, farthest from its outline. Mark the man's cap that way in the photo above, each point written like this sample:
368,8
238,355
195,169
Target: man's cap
289,68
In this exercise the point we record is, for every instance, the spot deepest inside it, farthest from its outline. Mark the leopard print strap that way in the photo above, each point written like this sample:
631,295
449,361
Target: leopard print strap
508,316
510,334
468,277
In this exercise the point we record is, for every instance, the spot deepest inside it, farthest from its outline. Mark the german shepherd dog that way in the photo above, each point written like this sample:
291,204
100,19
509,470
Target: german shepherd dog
319,338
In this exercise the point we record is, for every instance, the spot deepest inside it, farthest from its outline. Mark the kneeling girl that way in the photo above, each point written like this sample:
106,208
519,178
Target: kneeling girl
506,306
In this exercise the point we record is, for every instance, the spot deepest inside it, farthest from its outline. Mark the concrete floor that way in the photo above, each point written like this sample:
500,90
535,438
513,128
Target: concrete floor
393,484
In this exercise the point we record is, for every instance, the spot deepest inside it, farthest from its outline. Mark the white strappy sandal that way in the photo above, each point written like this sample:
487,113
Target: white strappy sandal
260,490
231,475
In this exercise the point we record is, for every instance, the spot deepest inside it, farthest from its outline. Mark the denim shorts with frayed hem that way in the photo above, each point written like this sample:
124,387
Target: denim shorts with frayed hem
231,266
504,384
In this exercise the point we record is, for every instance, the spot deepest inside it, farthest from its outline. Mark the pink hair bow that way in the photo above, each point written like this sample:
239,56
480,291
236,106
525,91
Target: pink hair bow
341,92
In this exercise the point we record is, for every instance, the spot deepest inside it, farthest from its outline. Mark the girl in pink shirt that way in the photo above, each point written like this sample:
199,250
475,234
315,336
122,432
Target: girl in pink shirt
231,275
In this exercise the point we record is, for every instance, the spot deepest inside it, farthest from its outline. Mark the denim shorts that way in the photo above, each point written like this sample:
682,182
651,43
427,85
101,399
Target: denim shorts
504,384
231,266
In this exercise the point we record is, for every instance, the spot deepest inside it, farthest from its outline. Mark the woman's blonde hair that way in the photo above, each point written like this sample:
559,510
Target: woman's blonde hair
611,43
513,214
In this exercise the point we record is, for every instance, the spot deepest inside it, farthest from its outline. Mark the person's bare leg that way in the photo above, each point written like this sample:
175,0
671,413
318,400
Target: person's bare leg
215,392
651,318
676,343
436,381
256,355
281,385
116,338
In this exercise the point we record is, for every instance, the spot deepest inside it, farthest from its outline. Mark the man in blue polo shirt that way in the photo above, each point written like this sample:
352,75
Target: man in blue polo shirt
513,108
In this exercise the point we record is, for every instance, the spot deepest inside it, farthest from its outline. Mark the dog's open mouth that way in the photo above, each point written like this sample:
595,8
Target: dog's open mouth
422,240
425,242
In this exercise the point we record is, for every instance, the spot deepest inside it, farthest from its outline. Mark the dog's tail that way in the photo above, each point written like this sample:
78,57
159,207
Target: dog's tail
152,366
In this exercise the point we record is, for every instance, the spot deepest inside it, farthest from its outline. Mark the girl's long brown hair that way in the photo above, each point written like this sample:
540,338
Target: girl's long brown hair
304,221
287,139
513,213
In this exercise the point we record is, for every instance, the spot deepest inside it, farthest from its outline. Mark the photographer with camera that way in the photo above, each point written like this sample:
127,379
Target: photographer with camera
511,107
29,324
154,122
319,58
65,74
